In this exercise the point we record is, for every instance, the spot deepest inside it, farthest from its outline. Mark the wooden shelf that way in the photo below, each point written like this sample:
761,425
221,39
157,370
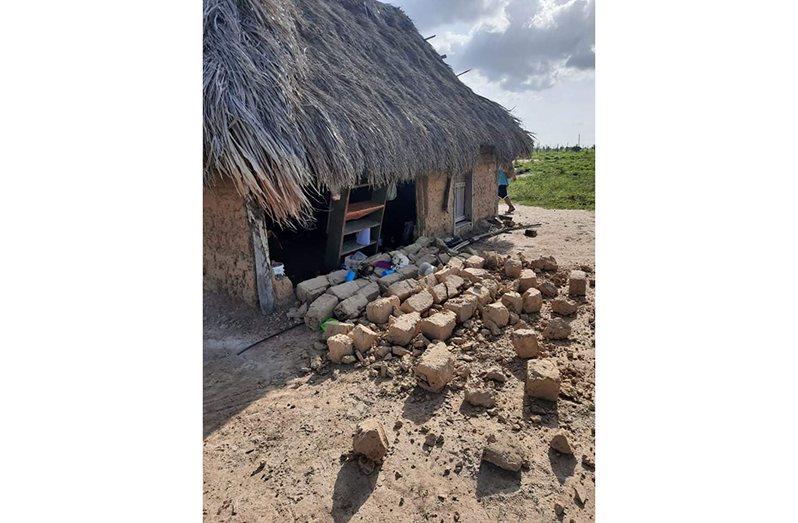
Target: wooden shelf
362,224
361,209
352,246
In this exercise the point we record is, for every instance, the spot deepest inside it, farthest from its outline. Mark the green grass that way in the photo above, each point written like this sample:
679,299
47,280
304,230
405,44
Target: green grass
556,180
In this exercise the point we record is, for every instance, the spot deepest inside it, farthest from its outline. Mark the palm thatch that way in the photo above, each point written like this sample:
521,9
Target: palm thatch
309,95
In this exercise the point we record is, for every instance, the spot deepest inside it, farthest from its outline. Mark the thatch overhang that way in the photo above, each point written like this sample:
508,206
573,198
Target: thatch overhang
315,95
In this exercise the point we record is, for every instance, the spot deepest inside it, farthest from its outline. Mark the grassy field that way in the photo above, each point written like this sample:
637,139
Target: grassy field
556,180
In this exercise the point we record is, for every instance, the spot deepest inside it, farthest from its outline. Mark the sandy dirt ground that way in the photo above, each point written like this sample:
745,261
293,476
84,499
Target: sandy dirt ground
278,441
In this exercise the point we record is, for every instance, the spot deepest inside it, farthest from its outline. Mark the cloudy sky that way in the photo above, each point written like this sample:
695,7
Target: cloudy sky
535,57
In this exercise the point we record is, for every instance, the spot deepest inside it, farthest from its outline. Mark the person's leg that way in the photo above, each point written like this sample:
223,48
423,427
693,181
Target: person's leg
509,204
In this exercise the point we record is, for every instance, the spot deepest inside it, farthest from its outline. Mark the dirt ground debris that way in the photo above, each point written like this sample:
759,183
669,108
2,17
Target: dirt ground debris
279,419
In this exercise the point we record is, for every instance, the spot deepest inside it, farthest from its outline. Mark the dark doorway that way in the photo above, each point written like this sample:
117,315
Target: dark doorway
400,217
301,250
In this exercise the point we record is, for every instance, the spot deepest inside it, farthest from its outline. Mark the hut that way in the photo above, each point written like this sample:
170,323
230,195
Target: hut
330,122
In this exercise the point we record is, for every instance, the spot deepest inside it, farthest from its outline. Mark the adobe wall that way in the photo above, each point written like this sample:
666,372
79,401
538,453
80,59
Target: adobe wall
228,264
433,220
485,201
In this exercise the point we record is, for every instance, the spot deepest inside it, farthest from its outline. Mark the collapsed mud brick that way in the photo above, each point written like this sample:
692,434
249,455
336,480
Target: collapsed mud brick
474,262
321,309
496,375
577,283
457,263
435,368
439,293
497,313
455,280
337,327
378,311
533,300
527,280
339,345
564,306
309,290
474,275
408,271
481,292
513,268
370,440
344,290
438,326
451,289
557,329
546,263
543,380
386,281
513,301
504,454
420,302
548,289
402,329
479,396
404,289
351,307
444,273
337,277
363,338
492,260
429,281
560,443
371,291
525,342
492,286
463,307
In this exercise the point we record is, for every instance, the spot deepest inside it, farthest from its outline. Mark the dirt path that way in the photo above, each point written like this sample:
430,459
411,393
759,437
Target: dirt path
276,440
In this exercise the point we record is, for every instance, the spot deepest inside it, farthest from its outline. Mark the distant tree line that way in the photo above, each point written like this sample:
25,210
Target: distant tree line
563,148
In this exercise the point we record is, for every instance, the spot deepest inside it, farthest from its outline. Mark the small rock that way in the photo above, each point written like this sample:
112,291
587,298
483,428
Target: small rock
370,440
564,306
558,508
560,443
480,397
348,359
548,289
496,375
504,454
577,283
557,329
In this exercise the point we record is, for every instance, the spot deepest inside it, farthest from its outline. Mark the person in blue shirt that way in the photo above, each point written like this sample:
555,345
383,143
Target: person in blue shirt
504,181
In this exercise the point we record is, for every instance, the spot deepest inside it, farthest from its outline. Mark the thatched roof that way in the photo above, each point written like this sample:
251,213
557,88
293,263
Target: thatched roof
304,95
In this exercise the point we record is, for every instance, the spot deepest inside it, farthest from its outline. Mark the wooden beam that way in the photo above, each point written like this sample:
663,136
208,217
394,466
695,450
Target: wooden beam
263,264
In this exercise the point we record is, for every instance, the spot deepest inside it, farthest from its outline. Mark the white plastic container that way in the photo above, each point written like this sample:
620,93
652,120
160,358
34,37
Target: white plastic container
363,237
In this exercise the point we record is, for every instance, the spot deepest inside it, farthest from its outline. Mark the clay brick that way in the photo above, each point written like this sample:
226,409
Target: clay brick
420,302
463,307
380,310
339,346
543,379
513,301
455,280
337,327
525,342
497,313
404,289
438,326
577,283
351,307
363,338
474,275
435,368
564,306
513,268
370,440
475,262
309,290
402,329
321,309
527,280
481,292
439,293
533,300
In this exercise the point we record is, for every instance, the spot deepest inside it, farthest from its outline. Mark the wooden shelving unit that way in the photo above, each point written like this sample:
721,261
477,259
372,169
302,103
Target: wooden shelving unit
347,219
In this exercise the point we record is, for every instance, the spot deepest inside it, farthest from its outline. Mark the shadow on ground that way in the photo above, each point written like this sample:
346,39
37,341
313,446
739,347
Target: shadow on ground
562,465
494,480
418,409
352,489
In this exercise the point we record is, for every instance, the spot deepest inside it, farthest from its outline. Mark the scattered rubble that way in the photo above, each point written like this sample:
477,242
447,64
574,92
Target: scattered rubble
564,306
370,440
543,380
435,367
438,326
503,453
557,329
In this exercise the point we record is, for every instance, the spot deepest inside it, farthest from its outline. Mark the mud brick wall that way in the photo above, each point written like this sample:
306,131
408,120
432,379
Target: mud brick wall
228,264
485,201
